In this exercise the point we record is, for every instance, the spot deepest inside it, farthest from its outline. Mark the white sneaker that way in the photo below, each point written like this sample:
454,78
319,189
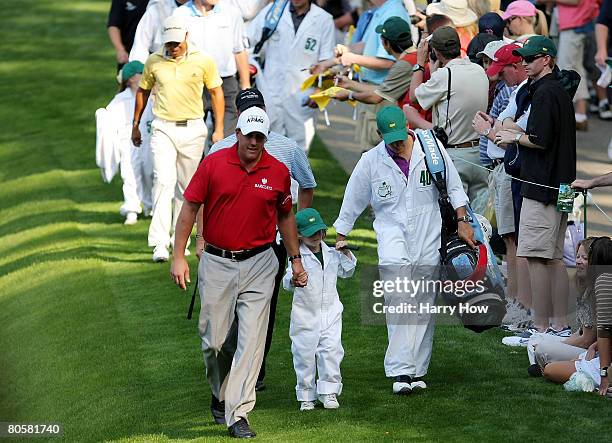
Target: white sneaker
131,218
417,383
402,385
307,406
329,401
160,254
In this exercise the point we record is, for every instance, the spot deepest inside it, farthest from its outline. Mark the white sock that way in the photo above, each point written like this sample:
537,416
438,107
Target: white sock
580,118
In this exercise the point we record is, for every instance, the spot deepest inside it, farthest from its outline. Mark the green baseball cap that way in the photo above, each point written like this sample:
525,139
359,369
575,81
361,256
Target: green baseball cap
391,123
130,69
309,222
538,44
395,29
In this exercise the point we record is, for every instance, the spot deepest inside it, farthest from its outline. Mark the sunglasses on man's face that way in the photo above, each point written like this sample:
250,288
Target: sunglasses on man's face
531,58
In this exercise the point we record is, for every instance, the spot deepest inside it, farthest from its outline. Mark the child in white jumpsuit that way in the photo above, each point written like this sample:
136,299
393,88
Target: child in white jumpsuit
113,130
316,314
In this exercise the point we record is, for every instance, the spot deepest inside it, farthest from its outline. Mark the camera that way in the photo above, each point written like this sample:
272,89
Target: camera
432,55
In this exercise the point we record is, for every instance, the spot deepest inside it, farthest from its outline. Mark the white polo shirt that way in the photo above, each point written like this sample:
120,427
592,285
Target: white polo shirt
220,33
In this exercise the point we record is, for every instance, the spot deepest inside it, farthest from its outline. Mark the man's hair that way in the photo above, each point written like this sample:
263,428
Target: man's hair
398,46
435,21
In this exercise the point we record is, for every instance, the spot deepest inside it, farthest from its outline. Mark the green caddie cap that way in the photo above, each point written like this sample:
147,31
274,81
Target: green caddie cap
538,44
309,222
396,30
130,69
391,123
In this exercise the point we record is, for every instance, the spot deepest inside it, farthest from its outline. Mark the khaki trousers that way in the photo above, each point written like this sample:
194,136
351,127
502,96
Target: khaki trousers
235,292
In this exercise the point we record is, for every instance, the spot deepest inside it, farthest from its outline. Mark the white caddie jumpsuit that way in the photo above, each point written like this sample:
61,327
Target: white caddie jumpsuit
407,228
113,131
288,55
316,322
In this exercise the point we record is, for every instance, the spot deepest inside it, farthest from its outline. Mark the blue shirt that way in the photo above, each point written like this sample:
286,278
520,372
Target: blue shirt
285,151
373,46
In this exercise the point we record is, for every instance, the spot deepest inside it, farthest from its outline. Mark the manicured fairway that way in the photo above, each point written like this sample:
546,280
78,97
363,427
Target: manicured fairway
93,335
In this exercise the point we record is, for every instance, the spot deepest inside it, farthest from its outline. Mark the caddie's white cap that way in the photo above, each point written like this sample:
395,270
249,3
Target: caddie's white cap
253,120
173,30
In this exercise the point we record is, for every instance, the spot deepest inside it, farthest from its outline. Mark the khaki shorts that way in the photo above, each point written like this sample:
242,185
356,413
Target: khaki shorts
504,208
541,231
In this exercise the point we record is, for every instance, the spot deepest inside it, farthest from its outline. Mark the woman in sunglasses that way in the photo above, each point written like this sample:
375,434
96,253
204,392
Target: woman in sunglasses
523,20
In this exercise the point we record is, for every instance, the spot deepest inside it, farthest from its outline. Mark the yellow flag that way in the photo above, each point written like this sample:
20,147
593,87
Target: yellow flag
323,98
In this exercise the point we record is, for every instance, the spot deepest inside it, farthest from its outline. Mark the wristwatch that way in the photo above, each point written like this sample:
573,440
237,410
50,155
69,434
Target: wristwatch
295,257
517,138
603,372
418,67
486,132
465,219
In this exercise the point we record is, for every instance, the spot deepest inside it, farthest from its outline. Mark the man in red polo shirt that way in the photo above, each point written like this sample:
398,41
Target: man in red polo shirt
244,193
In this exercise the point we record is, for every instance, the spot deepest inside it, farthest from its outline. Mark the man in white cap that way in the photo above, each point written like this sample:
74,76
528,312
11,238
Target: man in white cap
178,131
244,193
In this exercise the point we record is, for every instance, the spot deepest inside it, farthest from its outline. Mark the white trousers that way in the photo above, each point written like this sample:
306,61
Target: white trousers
294,121
317,346
410,335
177,151
137,175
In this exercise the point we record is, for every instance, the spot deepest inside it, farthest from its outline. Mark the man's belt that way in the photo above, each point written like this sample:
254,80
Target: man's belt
470,144
235,255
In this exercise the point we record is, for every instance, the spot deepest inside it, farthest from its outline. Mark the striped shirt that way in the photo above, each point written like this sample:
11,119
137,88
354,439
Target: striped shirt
603,301
285,151
502,96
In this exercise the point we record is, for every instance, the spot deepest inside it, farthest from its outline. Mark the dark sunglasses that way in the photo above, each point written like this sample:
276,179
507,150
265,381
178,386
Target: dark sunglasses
532,58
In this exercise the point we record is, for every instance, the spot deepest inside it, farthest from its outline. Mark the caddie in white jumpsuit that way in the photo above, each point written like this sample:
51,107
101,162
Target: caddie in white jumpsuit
393,178
113,131
316,314
148,39
304,37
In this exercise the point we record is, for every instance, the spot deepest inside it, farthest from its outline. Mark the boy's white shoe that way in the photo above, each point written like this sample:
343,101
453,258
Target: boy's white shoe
307,406
160,254
418,383
402,385
329,401
131,218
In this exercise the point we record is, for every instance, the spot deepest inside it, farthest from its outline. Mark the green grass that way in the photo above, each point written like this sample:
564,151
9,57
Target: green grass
94,336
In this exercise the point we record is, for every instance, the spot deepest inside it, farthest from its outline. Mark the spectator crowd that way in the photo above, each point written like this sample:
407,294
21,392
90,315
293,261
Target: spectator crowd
212,124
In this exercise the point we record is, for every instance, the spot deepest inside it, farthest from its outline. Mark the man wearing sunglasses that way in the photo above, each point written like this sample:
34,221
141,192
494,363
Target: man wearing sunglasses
548,151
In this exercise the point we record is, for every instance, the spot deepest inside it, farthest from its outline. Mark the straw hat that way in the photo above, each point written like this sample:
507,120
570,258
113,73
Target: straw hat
456,10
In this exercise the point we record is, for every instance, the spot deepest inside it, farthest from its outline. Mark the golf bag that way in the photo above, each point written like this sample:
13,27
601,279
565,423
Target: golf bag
484,305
